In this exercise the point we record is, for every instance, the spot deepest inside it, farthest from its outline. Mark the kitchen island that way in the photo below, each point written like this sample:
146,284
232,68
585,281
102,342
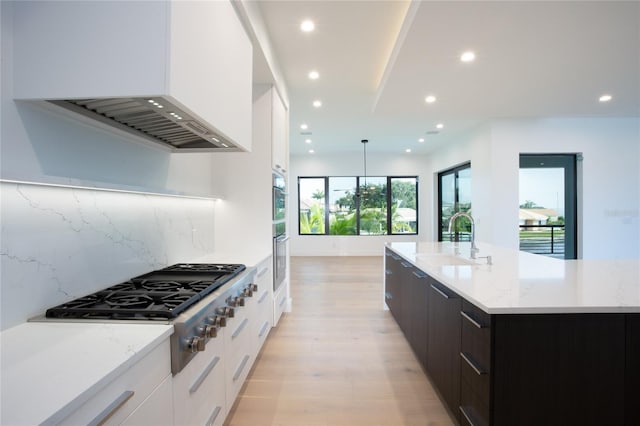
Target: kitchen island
523,340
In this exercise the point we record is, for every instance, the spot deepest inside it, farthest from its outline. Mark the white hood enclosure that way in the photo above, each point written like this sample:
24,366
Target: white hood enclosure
173,73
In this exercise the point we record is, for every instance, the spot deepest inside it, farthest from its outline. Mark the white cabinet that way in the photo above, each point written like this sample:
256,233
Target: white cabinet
279,134
140,396
264,303
199,395
279,302
239,353
196,53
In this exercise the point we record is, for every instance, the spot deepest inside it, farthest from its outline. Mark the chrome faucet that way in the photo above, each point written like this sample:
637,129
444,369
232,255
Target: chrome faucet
474,249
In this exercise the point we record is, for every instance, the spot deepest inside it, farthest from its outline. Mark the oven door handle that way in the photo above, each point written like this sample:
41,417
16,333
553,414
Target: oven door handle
282,239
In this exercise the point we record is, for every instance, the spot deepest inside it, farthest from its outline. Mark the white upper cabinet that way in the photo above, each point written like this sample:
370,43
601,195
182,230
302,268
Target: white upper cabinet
279,135
196,54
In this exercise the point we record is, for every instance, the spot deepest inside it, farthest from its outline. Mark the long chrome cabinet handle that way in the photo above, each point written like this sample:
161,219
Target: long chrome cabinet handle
263,329
479,371
440,292
204,375
264,296
406,264
240,368
240,328
471,320
418,273
262,272
213,416
111,408
284,299
466,416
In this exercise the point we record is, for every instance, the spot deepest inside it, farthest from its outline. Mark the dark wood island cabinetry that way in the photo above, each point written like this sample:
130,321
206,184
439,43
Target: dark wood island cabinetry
519,369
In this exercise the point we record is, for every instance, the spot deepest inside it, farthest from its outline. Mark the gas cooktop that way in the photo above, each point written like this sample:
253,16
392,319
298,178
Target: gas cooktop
157,295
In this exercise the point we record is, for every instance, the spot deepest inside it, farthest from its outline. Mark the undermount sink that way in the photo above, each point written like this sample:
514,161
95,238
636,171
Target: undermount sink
443,259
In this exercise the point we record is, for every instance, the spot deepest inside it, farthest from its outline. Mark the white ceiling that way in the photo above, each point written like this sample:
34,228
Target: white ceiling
378,60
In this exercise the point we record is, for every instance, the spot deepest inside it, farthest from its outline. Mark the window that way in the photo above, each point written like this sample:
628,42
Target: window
454,195
331,205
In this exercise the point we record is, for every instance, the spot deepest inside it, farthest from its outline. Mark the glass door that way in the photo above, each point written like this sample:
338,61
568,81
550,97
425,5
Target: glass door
454,195
548,204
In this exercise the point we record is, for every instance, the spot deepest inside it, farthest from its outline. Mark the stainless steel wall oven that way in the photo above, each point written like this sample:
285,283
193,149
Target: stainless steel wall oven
280,236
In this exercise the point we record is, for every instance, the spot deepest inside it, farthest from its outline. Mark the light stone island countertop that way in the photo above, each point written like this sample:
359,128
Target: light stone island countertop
518,282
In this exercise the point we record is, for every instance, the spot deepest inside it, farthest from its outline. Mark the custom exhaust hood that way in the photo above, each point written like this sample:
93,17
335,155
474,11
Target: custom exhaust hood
155,119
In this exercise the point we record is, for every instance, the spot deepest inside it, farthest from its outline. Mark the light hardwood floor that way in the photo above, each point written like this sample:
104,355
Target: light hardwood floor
338,358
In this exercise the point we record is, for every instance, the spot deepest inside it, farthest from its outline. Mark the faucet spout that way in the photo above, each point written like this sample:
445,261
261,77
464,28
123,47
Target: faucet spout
474,249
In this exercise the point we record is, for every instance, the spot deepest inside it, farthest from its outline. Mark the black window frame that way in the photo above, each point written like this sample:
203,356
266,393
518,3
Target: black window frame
455,171
361,180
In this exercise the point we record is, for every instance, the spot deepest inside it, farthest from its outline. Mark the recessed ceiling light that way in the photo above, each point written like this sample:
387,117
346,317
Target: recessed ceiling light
307,141
421,140
605,98
407,150
307,26
313,75
468,56
303,126
311,151
439,126
317,104
430,99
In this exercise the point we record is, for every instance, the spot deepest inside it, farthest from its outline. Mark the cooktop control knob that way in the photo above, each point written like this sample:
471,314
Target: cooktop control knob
247,292
196,344
236,301
226,312
217,321
253,287
210,331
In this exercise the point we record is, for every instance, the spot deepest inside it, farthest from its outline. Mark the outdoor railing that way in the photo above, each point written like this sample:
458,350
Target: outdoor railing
543,239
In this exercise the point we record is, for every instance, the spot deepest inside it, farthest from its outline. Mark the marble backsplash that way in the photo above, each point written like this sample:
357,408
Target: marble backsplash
58,243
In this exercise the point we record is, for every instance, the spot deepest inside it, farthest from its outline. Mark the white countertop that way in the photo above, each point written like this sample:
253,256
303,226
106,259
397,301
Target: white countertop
519,282
56,367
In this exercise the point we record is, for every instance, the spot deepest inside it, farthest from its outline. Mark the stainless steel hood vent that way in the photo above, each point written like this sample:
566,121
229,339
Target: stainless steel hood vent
155,119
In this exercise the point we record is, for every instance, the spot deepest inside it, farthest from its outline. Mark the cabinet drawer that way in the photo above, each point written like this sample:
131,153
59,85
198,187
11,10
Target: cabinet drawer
279,303
475,378
476,336
474,410
198,390
120,398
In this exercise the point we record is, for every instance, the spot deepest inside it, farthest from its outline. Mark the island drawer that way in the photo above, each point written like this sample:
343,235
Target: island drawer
476,336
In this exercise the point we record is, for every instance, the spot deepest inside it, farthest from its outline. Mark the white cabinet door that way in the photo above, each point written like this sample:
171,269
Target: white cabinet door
118,400
280,135
156,410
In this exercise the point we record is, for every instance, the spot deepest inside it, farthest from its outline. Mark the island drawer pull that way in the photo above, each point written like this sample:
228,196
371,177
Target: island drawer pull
263,271
406,264
240,328
440,292
388,295
213,416
418,273
466,416
204,375
388,271
241,367
284,299
471,320
111,409
472,364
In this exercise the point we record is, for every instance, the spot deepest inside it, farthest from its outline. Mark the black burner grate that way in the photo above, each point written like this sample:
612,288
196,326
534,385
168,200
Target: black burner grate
162,294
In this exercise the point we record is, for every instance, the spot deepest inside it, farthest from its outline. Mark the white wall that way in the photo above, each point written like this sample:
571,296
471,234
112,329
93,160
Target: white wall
352,165
610,179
